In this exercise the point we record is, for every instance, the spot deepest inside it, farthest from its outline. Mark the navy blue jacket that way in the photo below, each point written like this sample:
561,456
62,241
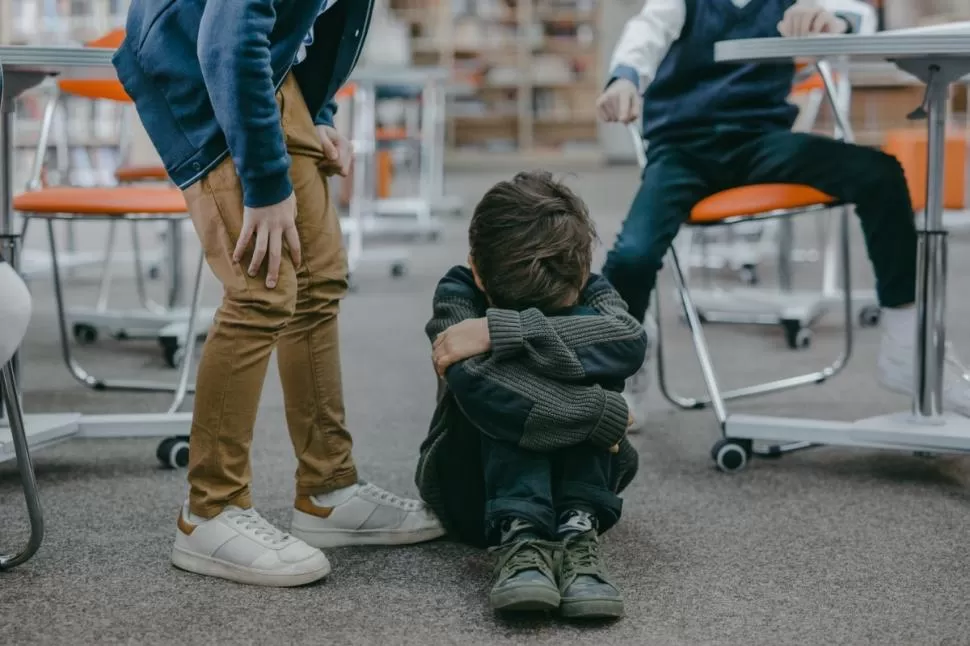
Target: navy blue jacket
203,76
693,93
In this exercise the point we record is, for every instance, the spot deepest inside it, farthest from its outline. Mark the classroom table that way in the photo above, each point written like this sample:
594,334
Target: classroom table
938,57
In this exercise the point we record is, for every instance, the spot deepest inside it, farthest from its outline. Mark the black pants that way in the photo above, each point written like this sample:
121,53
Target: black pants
680,174
537,487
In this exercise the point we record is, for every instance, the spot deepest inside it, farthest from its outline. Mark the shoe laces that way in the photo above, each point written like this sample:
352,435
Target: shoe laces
581,556
524,555
384,497
251,522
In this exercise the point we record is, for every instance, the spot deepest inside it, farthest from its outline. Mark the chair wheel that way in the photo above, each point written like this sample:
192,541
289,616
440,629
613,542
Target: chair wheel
796,336
154,273
731,455
869,316
173,452
749,275
398,269
85,334
172,351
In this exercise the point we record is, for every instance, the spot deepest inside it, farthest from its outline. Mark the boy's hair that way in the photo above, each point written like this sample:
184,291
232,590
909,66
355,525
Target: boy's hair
531,242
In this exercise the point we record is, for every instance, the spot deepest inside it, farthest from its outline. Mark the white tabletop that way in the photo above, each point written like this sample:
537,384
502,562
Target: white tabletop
399,75
915,44
51,60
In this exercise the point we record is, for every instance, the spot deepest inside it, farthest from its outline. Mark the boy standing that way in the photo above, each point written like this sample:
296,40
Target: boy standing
237,96
713,126
526,450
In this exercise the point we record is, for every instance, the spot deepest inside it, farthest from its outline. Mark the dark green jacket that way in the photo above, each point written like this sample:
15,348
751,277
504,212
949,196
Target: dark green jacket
549,382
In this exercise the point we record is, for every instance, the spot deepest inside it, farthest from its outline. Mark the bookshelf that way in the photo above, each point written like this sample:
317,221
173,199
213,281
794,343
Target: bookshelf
531,68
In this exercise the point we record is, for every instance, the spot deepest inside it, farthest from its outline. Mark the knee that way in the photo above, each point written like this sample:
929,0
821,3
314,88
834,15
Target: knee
642,253
15,311
881,170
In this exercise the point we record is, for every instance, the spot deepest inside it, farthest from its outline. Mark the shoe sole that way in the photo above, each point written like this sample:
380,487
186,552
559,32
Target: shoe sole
208,566
591,609
330,538
526,598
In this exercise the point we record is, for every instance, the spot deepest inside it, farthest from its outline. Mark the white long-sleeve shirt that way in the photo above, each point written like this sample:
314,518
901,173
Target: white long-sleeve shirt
648,36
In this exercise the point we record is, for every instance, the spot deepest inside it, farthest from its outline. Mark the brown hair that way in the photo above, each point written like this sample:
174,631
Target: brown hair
531,243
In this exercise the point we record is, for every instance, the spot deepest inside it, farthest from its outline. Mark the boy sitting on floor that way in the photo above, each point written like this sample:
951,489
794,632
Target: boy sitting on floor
527,448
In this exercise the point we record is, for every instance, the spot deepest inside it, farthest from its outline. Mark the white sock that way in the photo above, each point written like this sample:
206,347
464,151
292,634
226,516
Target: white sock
899,325
335,498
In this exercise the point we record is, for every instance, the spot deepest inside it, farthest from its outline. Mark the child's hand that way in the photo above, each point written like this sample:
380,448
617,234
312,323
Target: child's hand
629,422
459,342
807,17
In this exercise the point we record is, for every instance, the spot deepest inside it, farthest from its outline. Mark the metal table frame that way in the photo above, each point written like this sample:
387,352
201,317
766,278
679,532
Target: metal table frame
938,57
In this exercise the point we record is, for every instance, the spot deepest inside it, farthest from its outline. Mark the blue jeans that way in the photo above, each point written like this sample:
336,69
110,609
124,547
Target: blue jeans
682,173
538,487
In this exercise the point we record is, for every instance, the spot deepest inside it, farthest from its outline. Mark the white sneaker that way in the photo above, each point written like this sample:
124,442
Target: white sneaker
637,387
363,514
239,545
897,373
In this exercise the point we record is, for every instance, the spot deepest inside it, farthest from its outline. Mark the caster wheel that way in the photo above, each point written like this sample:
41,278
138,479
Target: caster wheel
85,334
731,455
749,275
796,336
173,356
173,452
154,273
172,352
869,316
398,269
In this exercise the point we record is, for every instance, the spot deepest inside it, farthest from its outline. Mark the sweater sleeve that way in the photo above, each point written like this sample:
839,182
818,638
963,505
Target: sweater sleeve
600,342
456,298
507,402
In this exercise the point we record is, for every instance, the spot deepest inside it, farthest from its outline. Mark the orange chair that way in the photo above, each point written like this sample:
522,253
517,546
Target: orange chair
909,147
107,205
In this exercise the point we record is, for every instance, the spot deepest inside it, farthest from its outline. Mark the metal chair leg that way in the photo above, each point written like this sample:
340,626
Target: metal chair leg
816,377
27,479
188,343
78,372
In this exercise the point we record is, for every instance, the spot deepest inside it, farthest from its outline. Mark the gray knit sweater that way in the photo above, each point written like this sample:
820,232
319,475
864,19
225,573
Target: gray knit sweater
549,382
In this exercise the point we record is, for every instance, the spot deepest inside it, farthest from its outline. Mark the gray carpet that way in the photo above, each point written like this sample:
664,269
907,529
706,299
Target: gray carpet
831,546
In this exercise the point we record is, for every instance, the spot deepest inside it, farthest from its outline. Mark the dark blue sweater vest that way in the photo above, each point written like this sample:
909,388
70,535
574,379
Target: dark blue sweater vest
692,94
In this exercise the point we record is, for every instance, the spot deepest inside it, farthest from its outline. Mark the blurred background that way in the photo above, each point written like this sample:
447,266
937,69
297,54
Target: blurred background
529,71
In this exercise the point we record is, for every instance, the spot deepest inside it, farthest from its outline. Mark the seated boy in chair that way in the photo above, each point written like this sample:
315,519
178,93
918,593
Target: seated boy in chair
713,126
526,450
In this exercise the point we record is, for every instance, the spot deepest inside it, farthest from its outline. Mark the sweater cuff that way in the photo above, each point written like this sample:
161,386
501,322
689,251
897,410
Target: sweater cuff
625,72
267,190
504,332
612,425
853,20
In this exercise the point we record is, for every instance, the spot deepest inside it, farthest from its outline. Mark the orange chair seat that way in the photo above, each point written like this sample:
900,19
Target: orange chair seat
755,200
141,173
118,201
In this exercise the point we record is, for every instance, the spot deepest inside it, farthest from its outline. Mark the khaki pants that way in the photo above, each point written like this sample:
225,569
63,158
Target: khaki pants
298,318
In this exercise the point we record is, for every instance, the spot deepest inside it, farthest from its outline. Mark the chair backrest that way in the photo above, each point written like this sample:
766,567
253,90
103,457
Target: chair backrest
98,89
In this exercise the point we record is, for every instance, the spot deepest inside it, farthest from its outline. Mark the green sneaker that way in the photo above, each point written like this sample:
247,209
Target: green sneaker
524,576
585,590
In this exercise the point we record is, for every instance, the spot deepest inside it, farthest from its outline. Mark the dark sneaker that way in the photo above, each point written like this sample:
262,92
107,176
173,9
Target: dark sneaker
586,592
524,572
